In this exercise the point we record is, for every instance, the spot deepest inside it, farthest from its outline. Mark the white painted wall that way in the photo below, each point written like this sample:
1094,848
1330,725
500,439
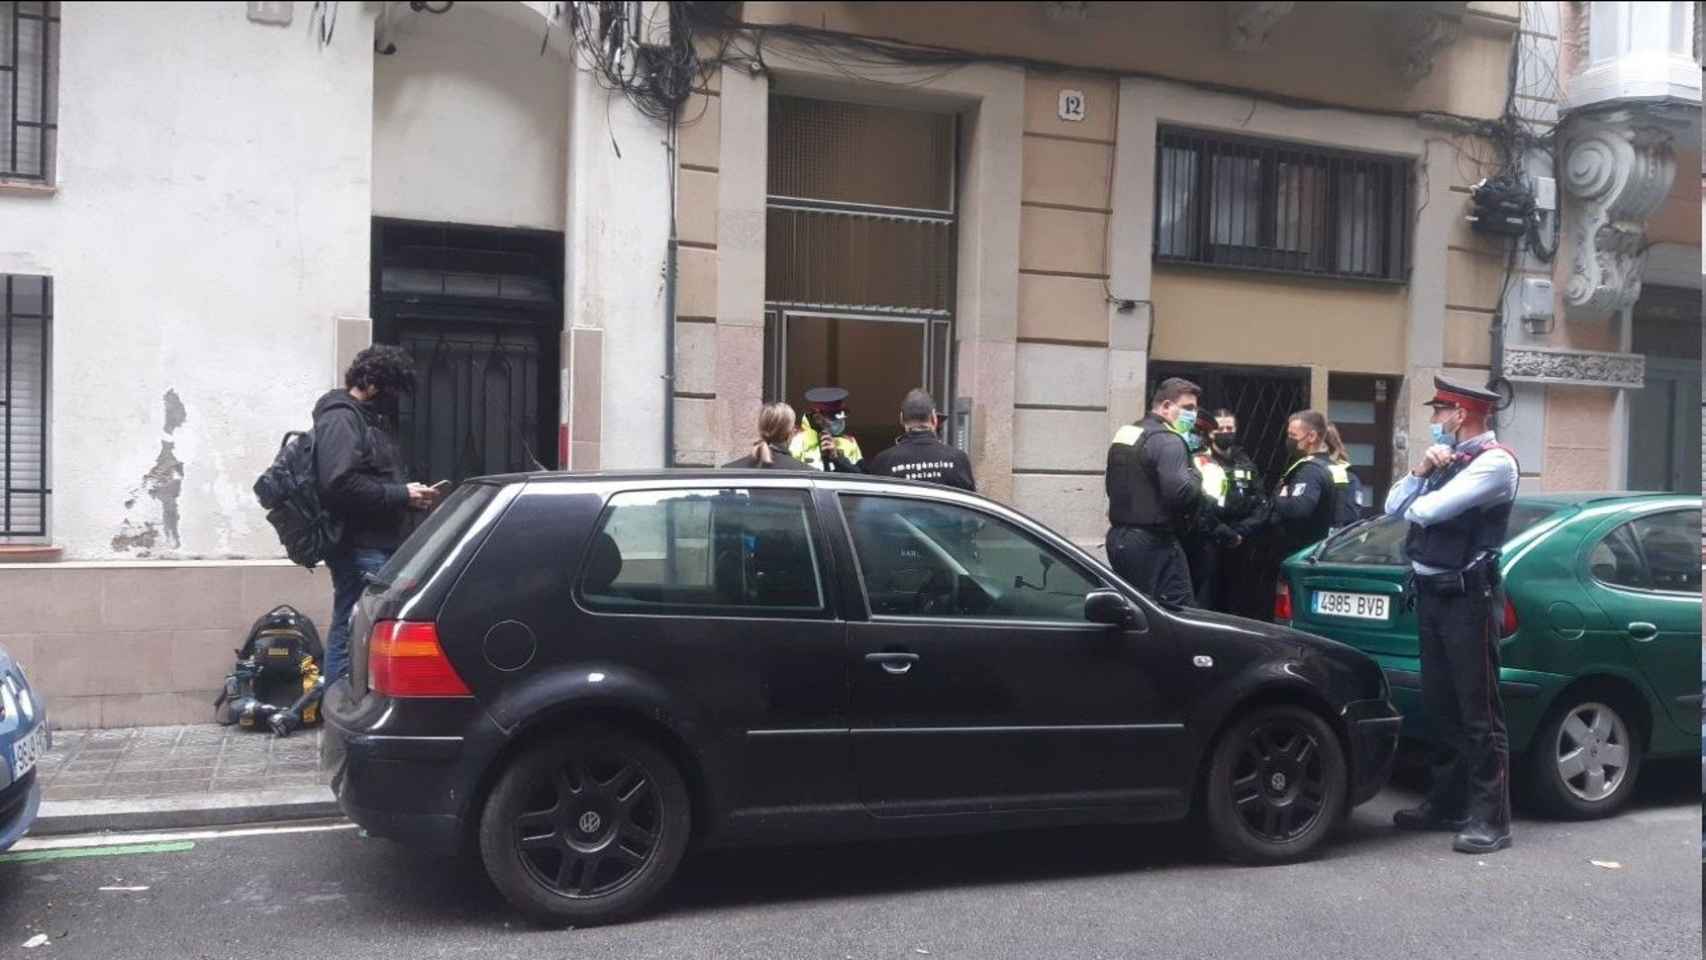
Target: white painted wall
212,218
617,243
470,122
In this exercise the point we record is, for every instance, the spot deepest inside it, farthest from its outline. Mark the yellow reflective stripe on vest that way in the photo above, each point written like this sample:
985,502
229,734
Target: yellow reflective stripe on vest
1341,474
1129,435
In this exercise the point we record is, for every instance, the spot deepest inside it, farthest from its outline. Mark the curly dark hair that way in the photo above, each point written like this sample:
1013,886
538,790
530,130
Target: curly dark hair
389,369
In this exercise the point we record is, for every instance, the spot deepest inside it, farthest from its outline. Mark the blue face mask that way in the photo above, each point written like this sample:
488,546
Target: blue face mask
1186,423
1193,440
1442,436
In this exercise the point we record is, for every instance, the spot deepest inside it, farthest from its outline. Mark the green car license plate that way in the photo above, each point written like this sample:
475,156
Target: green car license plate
1357,606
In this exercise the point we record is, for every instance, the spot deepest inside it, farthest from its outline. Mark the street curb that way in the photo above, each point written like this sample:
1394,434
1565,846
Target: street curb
59,817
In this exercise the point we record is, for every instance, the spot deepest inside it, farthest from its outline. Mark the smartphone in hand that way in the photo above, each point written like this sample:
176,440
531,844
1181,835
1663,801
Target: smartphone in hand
441,487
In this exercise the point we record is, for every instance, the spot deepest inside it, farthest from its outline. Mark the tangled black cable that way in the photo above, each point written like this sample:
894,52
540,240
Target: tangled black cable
656,80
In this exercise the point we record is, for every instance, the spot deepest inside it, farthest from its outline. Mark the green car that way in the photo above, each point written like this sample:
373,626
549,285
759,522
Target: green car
1600,649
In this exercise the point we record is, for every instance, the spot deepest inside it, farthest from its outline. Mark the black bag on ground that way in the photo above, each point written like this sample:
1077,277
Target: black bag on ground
276,681
289,491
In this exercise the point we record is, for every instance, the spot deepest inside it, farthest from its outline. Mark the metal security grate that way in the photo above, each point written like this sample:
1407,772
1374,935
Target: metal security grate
29,41
1263,400
852,153
1263,205
863,261
26,311
476,403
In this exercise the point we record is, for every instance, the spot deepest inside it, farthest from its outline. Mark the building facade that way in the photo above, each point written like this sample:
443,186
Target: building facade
1036,210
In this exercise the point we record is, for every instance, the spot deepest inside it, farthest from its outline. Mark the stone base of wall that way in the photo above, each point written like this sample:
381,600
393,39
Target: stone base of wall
117,645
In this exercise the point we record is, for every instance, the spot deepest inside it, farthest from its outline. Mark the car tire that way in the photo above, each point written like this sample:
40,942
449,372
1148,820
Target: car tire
1276,785
1584,730
585,829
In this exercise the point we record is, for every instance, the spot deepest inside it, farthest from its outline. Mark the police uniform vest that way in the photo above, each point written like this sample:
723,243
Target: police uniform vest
805,447
1215,480
1455,543
1134,498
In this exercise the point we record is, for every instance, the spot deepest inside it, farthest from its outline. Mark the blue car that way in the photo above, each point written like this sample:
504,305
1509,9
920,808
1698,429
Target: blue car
24,740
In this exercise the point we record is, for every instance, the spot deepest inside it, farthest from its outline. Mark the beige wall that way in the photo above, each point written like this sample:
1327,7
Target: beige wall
1675,222
1578,441
1226,317
701,422
1188,41
114,645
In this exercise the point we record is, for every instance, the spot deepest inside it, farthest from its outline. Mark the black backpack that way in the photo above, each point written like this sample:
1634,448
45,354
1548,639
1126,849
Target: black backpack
276,681
289,491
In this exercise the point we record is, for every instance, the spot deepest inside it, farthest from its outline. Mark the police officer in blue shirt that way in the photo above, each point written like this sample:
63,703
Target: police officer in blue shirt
1458,501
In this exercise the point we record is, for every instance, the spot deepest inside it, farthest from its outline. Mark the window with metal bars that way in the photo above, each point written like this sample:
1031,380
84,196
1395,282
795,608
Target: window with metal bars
1268,205
29,69
26,315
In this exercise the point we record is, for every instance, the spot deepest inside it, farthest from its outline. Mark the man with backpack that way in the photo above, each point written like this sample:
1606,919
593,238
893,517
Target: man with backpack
361,483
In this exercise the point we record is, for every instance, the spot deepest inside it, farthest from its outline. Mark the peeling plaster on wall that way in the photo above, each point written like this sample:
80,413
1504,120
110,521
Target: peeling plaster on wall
163,483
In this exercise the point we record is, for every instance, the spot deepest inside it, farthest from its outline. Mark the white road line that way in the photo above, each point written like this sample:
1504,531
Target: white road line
123,839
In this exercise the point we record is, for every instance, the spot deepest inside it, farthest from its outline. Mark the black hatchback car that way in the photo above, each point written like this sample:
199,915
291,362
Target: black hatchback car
580,674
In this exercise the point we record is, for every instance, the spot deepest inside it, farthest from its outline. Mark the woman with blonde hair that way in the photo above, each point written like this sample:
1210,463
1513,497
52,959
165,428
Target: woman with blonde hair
776,426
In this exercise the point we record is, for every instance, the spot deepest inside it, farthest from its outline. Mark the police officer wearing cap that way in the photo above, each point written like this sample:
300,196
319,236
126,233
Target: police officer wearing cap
1458,501
823,443
1154,495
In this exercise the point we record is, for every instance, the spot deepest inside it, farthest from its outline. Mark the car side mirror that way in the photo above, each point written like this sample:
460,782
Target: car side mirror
1110,607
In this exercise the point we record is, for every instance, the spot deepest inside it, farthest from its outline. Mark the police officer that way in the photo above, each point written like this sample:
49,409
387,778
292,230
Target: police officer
1458,501
1210,536
1154,495
823,442
1235,483
919,454
1312,498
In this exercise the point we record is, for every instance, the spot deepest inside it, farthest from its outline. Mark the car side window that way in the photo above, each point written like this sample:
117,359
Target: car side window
725,550
1616,560
1670,543
922,559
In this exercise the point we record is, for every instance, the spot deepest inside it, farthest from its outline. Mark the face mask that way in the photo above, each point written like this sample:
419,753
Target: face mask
1293,448
1187,421
1224,441
838,426
1442,436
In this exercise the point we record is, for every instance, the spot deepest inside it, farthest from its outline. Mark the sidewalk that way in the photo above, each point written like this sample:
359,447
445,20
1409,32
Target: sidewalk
144,778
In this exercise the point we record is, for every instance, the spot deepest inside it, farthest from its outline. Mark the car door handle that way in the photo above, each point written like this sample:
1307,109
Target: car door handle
895,663
1643,631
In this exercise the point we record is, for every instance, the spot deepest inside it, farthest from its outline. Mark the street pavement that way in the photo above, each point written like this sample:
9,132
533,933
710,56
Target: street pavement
326,892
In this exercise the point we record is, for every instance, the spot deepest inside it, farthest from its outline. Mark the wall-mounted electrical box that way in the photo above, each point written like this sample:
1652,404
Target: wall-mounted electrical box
1536,304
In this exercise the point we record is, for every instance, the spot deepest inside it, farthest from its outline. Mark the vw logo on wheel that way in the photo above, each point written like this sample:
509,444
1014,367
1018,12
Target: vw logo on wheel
1278,781
590,822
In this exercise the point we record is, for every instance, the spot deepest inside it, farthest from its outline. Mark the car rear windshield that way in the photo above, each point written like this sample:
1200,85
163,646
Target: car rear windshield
419,555
1381,541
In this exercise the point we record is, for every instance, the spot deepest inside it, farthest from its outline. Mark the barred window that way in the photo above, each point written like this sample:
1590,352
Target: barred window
1267,205
26,311
29,98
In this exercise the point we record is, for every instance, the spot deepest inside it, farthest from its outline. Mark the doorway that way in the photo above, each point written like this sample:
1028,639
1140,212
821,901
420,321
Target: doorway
1664,416
877,360
480,309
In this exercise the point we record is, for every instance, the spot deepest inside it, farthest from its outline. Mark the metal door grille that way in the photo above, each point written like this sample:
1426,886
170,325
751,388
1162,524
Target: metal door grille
1263,400
476,402
29,40
480,311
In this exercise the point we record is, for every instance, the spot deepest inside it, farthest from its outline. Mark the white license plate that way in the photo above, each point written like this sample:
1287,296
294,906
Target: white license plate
27,752
1359,606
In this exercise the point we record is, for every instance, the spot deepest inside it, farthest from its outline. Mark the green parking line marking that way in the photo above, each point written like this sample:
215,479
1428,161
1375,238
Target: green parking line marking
74,853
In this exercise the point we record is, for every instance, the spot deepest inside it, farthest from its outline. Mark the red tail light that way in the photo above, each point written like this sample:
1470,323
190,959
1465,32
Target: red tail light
1509,626
405,659
1282,602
